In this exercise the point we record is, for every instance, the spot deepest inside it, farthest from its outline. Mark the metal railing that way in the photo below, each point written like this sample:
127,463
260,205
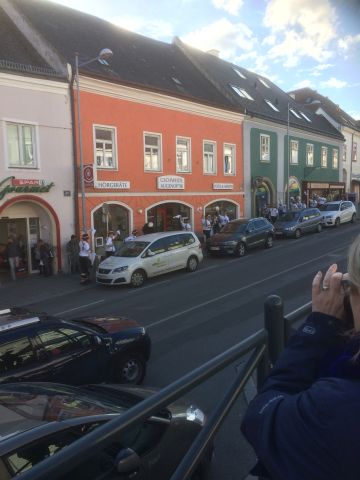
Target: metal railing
264,347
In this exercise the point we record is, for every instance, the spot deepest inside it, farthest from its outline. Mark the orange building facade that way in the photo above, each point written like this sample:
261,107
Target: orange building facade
150,157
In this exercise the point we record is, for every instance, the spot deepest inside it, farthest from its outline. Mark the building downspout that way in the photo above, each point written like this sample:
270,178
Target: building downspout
351,159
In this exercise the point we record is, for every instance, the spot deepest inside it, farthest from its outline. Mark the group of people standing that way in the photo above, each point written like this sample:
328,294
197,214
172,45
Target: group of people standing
212,224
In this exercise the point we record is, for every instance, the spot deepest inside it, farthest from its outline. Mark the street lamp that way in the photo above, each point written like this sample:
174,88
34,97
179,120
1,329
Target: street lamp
103,55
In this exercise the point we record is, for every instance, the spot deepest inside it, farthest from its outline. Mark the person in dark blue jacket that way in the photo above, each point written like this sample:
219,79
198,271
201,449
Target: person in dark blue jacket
305,422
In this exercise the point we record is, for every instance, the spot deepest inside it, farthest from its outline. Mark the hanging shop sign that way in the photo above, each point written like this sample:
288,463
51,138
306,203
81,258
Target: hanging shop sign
117,185
23,185
88,173
223,186
170,182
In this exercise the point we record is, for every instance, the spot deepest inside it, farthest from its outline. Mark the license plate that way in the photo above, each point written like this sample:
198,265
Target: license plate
214,248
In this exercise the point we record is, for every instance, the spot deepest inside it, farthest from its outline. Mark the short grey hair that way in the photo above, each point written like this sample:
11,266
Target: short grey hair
354,262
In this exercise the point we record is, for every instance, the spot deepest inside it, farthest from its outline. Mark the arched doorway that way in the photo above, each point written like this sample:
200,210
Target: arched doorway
27,220
106,217
223,206
164,215
264,194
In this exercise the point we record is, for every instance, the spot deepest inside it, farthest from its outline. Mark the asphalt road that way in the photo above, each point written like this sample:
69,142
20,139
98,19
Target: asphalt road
193,317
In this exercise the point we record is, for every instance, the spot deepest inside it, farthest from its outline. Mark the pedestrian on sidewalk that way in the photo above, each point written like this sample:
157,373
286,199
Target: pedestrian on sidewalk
109,244
207,227
84,259
13,256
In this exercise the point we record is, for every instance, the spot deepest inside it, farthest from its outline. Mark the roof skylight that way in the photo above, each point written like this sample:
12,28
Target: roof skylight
305,116
263,82
241,92
294,113
241,75
272,105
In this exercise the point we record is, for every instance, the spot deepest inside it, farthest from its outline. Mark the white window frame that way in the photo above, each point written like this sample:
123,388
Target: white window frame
335,158
265,141
188,141
354,152
35,144
232,146
344,153
294,160
271,105
309,149
159,136
305,116
241,92
114,147
324,164
205,154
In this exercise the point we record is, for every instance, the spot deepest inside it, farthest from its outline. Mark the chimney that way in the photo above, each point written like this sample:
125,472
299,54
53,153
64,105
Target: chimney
214,52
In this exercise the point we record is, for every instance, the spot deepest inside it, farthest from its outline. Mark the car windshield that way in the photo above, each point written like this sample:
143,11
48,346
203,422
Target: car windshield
330,207
131,249
234,227
289,217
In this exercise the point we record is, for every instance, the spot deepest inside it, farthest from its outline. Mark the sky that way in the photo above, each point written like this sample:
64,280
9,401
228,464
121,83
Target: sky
294,43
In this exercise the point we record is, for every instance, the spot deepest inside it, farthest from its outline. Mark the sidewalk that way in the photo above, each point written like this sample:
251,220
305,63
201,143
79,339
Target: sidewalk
36,288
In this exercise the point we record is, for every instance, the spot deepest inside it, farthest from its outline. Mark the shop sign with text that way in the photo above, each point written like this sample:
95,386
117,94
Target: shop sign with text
21,185
223,186
118,185
170,182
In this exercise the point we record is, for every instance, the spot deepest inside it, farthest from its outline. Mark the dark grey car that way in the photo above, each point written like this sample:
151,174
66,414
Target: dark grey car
239,235
294,224
40,419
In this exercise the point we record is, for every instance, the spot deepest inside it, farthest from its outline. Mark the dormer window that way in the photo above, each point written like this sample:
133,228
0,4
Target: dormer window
305,116
271,105
263,82
241,92
241,75
294,113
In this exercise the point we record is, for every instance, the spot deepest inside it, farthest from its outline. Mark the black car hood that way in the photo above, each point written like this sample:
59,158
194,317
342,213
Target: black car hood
111,324
224,237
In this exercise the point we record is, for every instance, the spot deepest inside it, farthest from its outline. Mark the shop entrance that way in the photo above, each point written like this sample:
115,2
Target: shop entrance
163,216
110,216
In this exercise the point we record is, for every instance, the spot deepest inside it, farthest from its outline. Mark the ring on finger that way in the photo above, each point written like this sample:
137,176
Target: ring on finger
325,287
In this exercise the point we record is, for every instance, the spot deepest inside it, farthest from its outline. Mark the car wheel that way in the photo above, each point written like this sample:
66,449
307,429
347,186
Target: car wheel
318,228
131,370
337,222
353,218
192,264
138,278
240,249
269,241
297,233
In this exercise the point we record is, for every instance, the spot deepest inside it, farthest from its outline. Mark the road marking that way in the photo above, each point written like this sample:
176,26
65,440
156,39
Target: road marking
79,308
233,292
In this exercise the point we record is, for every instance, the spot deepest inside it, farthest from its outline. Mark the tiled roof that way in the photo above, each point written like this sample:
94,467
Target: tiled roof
314,100
137,60
227,75
16,53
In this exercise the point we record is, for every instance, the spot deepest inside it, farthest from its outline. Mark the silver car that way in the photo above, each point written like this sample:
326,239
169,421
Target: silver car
150,255
335,213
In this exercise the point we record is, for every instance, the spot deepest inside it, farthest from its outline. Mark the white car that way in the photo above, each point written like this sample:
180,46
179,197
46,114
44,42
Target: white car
335,213
150,255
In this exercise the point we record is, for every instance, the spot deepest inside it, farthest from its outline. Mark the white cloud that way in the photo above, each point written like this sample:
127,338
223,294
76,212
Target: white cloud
230,6
224,36
155,28
303,84
334,83
269,40
318,70
347,42
307,29
355,114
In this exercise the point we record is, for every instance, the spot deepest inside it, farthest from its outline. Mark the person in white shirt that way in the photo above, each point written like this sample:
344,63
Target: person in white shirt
84,259
132,236
185,225
207,226
109,244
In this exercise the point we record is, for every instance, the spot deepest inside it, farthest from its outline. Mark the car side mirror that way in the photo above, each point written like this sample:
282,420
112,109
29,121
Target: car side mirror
127,463
149,253
97,340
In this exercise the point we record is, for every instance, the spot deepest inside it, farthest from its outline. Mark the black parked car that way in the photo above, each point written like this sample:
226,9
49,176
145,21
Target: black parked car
39,419
39,347
239,235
